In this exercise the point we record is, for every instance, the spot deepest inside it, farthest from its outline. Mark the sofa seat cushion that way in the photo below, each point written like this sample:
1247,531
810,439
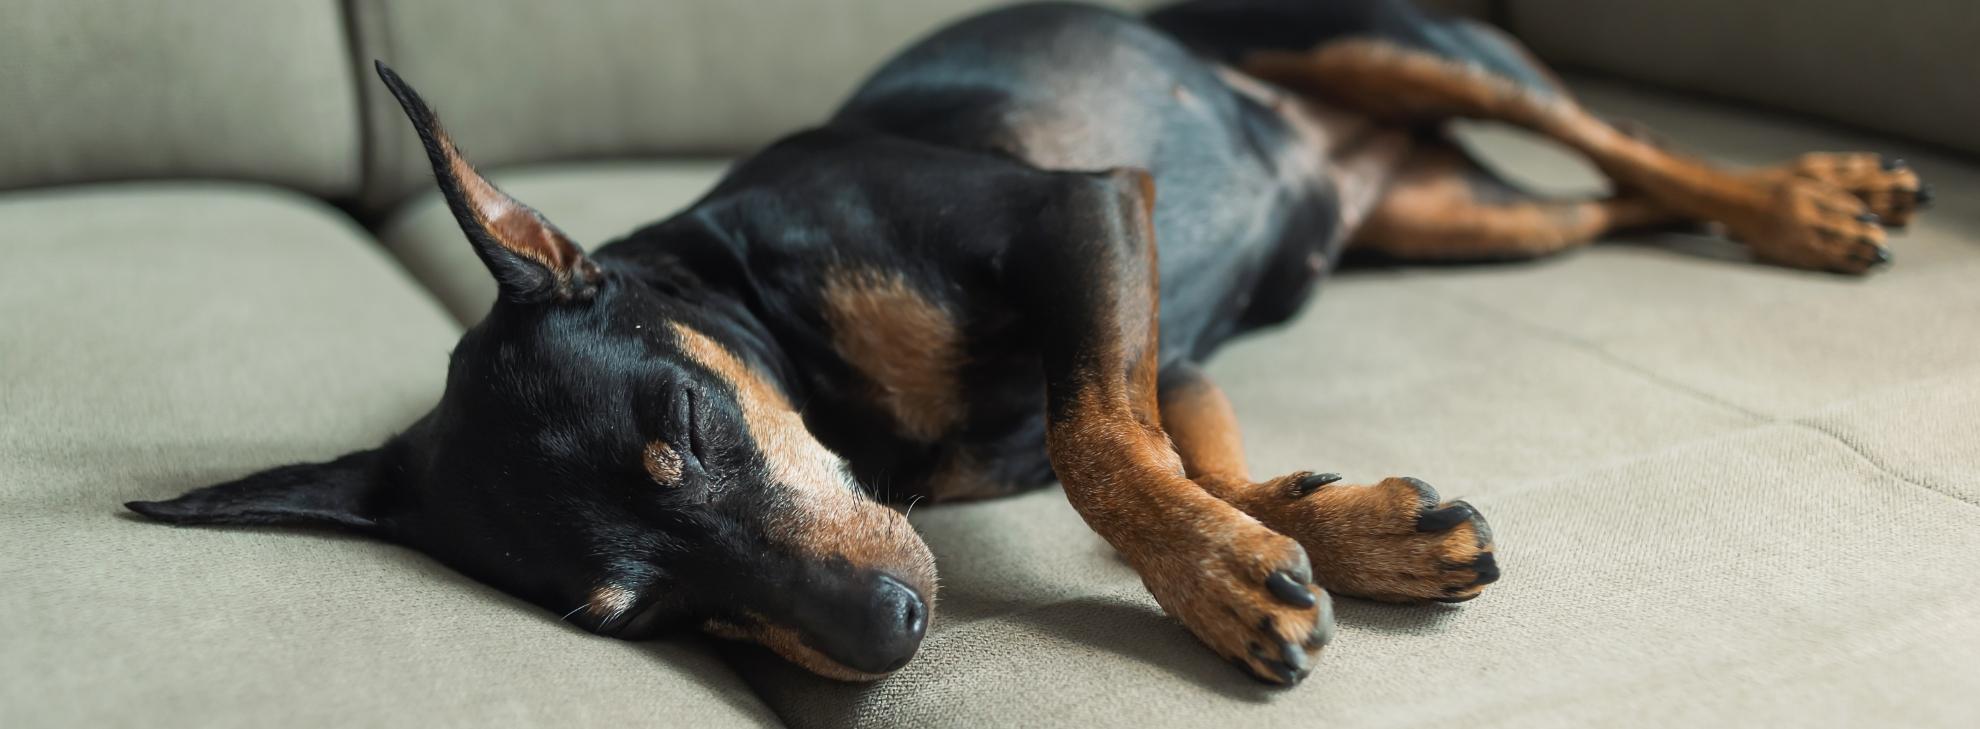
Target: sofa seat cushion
160,337
1724,493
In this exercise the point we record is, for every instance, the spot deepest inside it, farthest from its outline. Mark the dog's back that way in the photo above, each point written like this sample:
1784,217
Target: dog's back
1073,87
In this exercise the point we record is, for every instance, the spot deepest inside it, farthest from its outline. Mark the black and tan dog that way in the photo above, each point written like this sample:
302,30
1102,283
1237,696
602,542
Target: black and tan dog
997,265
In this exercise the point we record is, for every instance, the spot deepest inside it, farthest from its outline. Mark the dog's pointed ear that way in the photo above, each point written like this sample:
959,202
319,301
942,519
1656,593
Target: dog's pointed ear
531,260
349,492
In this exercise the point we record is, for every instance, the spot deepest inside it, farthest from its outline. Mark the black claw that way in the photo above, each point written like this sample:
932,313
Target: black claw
1893,163
1480,527
1487,568
1323,629
1285,673
1312,482
1455,600
1924,195
1883,255
1289,590
1867,218
1296,657
1445,519
1246,668
1426,495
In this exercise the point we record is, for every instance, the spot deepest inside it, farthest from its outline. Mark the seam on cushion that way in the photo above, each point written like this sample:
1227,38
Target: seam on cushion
1879,464
371,38
1473,306
354,44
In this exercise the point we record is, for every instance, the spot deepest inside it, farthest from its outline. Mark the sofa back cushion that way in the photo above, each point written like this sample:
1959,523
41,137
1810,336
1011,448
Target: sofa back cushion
129,89
1901,66
521,81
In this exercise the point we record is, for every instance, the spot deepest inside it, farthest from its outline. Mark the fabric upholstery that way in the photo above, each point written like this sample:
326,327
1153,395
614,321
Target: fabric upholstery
1904,66
160,337
1725,494
137,89
521,81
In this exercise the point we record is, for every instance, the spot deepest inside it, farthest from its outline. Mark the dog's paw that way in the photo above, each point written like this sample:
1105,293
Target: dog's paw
1393,541
1246,591
1888,186
1814,225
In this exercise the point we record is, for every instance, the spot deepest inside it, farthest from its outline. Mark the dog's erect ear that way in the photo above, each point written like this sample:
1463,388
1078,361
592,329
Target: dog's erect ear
348,492
531,259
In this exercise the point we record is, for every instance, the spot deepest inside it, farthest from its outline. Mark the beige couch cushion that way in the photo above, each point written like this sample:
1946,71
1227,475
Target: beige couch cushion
242,89
522,81
1903,66
163,337
1724,493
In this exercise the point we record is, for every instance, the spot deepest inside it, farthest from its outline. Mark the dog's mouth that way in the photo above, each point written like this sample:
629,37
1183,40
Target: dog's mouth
841,656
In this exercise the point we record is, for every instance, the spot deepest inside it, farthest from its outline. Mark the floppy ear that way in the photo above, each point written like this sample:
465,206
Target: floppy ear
348,492
531,259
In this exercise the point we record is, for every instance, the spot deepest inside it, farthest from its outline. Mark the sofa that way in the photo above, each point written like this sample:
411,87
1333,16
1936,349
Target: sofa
1724,494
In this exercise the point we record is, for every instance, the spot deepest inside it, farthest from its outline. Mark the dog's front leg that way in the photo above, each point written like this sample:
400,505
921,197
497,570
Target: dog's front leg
1085,280
1393,541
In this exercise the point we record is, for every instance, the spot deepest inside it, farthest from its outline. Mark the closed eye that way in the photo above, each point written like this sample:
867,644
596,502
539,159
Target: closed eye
688,416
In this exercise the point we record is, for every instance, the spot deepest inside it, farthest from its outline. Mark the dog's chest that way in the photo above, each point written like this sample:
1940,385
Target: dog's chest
930,395
905,346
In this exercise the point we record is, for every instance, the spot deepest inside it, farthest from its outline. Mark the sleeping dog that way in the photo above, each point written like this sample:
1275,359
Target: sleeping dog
998,266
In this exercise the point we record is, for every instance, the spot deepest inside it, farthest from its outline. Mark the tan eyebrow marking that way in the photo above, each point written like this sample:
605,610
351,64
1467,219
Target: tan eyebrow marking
795,458
829,515
905,344
663,464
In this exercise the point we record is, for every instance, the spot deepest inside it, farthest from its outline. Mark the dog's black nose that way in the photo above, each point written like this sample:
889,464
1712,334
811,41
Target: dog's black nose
880,635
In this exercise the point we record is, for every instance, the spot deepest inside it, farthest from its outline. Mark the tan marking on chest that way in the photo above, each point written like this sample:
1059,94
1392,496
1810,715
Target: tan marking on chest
909,348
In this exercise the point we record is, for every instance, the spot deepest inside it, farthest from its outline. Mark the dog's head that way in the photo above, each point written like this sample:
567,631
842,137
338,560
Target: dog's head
621,453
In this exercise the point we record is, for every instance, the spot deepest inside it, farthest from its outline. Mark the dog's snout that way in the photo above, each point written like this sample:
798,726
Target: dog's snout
881,630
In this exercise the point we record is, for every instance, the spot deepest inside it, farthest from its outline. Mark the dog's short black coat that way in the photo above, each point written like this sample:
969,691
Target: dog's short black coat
938,163
946,275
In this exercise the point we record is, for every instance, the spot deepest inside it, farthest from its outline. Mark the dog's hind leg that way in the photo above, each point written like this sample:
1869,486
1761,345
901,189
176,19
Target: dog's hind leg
1443,206
1391,541
1805,221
